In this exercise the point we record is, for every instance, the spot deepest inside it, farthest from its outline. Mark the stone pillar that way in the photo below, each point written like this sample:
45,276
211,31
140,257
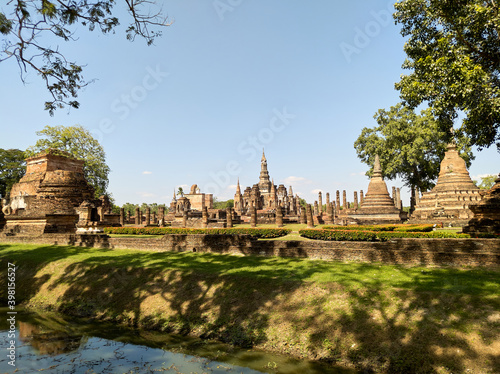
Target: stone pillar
356,206
329,213
148,216
303,216
344,199
394,196
361,197
310,222
253,216
122,216
334,209
398,196
338,199
279,217
138,218
316,211
229,217
204,217
184,218
320,202
327,199
161,215
128,216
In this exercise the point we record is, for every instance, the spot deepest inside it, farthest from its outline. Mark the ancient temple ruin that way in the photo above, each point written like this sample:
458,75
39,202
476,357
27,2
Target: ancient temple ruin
449,200
54,197
377,206
486,213
266,198
195,210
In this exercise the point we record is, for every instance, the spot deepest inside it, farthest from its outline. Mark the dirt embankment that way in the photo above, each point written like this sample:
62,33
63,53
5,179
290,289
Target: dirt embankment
358,326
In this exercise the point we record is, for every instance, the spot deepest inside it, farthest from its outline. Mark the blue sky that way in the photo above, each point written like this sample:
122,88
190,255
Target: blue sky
226,79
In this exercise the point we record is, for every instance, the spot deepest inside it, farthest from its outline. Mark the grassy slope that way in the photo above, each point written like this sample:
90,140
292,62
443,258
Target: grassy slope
387,318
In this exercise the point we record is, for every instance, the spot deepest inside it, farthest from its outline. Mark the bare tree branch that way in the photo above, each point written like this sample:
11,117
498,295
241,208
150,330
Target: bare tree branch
26,22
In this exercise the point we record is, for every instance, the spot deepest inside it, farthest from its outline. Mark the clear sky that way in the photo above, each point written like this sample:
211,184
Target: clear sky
227,78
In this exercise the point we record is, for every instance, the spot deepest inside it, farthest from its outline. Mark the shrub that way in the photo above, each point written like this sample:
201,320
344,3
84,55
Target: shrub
485,235
361,228
337,235
384,236
254,232
390,228
371,236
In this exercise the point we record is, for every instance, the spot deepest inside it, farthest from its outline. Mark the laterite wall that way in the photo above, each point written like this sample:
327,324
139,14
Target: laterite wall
440,252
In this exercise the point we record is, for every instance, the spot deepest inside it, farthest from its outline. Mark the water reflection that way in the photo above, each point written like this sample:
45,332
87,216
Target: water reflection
52,344
48,342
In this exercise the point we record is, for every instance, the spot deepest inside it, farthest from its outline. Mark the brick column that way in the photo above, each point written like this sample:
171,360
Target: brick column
279,217
310,221
229,217
138,217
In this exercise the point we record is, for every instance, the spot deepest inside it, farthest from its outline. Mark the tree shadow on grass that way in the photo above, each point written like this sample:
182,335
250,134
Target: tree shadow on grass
29,262
417,328
421,324
218,295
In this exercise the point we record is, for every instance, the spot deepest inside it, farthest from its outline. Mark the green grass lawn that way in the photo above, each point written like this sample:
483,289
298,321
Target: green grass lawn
469,281
456,230
378,317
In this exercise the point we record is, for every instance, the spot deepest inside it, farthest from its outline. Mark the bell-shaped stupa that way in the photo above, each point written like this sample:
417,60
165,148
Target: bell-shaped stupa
377,206
452,195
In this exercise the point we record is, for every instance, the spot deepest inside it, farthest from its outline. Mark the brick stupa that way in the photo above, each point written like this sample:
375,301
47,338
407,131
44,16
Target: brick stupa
52,197
452,195
377,206
486,213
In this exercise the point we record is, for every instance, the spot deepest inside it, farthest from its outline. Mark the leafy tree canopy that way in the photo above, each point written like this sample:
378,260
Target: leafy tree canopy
302,202
77,141
410,146
223,204
453,51
12,169
180,192
486,182
29,28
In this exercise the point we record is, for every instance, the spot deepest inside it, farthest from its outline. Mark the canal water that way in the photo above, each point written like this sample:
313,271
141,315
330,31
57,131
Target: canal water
50,343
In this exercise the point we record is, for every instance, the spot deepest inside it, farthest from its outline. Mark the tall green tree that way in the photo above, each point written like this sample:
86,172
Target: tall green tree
410,146
12,169
77,141
30,30
453,49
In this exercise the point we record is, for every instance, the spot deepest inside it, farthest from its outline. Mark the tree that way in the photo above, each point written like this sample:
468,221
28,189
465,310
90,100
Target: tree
25,25
180,192
453,51
12,169
223,204
77,141
302,202
410,146
128,207
486,182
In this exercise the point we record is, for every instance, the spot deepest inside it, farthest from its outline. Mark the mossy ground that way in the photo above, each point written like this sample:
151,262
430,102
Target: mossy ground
376,317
